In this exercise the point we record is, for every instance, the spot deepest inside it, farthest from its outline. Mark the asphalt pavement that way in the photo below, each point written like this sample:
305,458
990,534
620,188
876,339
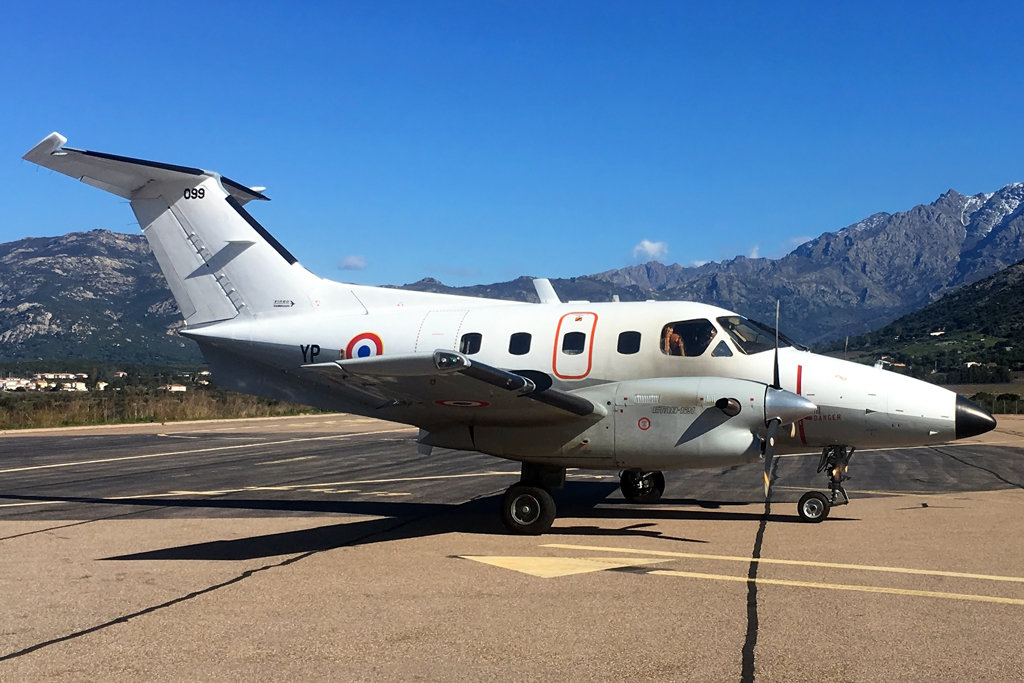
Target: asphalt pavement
326,547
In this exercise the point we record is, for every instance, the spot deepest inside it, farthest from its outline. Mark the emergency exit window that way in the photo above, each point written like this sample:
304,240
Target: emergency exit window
573,343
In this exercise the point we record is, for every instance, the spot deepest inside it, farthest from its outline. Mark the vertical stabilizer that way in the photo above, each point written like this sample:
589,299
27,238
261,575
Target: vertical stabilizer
219,261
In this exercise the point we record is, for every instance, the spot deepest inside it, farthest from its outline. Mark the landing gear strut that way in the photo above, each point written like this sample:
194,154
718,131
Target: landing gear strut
527,507
638,486
814,505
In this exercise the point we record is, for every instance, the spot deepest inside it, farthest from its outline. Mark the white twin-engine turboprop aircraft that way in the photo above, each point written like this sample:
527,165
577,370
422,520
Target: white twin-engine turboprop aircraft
633,387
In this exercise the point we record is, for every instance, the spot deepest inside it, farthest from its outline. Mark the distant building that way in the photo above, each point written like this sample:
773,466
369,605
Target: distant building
171,388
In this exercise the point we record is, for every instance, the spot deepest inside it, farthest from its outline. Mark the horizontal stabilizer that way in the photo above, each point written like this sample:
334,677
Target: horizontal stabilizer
123,176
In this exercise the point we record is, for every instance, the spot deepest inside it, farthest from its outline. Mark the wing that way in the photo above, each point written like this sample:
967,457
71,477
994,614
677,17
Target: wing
445,387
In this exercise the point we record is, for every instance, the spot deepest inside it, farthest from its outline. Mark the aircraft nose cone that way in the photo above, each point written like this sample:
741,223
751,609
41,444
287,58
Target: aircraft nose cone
972,419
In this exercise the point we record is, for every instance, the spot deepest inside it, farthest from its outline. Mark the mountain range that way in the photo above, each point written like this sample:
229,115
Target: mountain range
99,294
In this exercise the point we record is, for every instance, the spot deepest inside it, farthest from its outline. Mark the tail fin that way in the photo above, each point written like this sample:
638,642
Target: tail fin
219,261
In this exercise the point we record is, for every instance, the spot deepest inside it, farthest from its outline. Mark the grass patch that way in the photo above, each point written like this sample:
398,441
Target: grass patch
25,410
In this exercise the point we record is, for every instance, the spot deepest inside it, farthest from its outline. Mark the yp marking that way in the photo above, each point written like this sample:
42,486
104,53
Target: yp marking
310,352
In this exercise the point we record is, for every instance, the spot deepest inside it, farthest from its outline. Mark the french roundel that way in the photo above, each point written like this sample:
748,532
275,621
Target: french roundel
364,345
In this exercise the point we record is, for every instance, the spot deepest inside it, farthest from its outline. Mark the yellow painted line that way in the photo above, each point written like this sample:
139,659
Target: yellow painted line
211,449
435,477
800,563
883,493
842,587
552,567
951,444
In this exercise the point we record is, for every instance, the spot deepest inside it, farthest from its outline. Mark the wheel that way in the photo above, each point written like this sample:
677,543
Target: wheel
642,487
528,510
813,506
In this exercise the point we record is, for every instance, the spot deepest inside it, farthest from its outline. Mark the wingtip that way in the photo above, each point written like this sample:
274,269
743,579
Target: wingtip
47,146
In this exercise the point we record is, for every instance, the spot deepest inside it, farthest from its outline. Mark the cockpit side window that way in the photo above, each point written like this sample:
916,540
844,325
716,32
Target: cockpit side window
751,336
722,350
687,337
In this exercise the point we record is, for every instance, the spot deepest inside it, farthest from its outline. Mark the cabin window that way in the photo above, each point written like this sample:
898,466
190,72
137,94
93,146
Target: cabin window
573,343
519,343
470,343
687,337
629,342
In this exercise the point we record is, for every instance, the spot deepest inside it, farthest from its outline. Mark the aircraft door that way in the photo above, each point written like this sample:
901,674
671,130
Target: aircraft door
440,330
574,345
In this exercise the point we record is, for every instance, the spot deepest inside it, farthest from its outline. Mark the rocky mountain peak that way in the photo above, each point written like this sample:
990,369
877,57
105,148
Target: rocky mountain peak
100,295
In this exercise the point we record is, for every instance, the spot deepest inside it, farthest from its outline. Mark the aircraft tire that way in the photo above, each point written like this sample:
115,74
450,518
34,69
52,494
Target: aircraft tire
813,507
527,510
635,489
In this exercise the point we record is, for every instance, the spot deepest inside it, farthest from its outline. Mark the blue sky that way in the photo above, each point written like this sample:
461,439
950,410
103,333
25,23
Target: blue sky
478,141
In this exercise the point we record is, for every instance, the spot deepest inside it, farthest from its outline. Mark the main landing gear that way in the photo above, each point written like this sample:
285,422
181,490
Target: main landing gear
815,505
527,507
638,486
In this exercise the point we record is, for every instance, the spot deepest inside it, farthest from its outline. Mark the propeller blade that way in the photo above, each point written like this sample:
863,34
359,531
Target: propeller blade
776,383
769,452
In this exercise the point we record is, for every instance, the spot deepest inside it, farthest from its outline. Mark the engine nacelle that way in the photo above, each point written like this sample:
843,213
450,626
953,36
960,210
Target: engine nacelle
657,424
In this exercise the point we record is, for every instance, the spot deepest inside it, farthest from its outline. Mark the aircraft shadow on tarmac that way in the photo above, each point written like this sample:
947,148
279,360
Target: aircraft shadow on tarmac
399,520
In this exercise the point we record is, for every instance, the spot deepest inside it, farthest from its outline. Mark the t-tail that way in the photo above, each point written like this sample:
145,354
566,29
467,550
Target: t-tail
220,263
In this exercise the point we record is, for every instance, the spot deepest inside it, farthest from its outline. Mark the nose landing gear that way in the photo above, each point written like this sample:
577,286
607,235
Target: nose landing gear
638,486
814,506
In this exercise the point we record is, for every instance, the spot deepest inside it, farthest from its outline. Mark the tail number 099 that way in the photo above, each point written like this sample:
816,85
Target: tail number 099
195,192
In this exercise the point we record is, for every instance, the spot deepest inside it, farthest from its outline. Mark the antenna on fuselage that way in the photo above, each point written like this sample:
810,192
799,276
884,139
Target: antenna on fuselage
773,422
545,292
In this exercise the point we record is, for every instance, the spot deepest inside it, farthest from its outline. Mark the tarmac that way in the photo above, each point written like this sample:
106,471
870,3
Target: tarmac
326,547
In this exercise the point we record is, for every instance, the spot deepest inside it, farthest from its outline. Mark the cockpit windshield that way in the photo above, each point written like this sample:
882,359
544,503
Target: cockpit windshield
751,336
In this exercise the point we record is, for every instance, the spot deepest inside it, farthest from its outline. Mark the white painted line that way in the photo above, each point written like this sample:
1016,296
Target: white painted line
38,502
311,487
281,462
212,449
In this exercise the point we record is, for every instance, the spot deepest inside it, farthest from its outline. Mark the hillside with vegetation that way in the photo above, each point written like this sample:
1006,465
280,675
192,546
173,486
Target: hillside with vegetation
973,335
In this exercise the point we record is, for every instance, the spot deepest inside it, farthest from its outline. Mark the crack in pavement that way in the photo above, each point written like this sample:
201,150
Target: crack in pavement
750,641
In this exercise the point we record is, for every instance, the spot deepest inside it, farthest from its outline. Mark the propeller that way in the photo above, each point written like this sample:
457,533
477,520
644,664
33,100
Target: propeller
776,383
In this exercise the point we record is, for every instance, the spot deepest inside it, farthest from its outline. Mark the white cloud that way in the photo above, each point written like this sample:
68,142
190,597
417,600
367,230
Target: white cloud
755,251
649,250
698,264
353,262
